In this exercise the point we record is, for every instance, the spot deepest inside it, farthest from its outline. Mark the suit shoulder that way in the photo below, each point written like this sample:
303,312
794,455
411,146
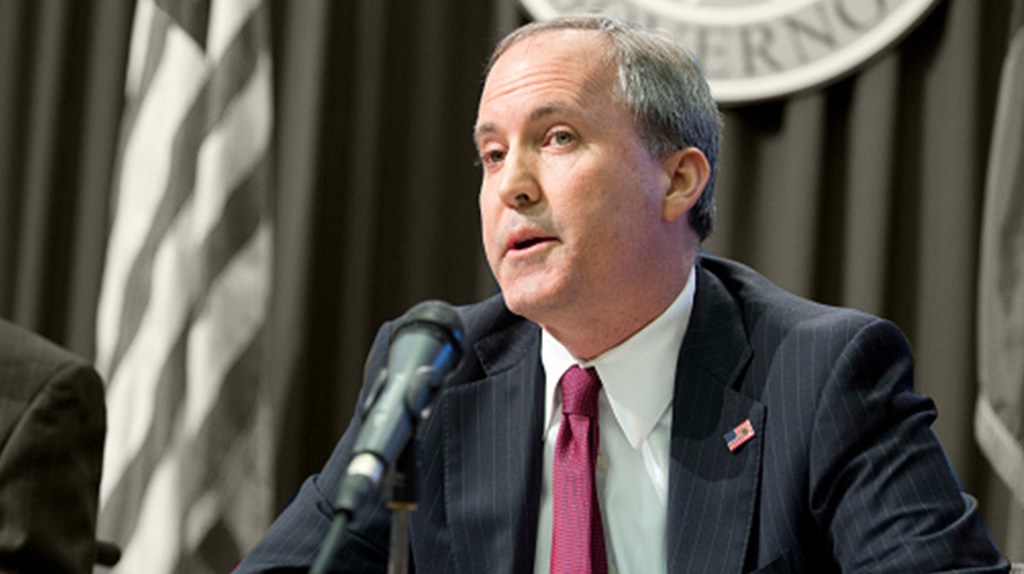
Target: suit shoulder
764,302
28,360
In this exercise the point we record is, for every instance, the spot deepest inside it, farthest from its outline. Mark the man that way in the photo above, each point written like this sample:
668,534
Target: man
707,421
52,426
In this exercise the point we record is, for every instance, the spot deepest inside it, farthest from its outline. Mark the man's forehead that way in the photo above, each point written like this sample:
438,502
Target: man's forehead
550,72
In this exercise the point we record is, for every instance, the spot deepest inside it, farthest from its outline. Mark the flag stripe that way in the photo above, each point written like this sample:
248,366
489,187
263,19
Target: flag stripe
231,233
999,412
226,21
209,108
223,329
145,171
169,313
174,483
177,251
119,513
186,483
222,488
223,242
1000,445
145,53
231,414
130,398
159,508
146,49
233,149
191,16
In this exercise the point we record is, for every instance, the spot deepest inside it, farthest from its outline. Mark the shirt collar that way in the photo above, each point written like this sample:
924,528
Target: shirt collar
638,375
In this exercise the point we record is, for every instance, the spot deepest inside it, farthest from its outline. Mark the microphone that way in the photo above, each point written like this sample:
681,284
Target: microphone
426,346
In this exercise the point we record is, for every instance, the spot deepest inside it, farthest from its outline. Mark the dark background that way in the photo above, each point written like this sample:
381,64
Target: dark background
867,192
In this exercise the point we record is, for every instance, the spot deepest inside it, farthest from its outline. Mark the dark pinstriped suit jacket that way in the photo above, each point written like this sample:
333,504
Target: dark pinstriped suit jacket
52,425
844,473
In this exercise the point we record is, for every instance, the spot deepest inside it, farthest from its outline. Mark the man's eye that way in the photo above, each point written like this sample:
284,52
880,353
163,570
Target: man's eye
492,157
562,138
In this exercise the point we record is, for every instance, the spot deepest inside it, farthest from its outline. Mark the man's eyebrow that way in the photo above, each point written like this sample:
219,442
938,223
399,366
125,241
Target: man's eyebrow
548,110
482,130
537,114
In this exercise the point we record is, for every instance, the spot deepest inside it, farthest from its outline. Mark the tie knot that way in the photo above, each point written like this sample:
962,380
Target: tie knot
579,391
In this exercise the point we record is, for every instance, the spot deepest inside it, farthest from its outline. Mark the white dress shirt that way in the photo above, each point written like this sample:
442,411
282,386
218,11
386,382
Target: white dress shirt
635,418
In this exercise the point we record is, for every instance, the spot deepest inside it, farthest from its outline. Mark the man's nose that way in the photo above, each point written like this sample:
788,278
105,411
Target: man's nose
519,187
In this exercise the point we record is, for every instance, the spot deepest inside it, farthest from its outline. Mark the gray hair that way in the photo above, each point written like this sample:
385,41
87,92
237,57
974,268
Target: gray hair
662,84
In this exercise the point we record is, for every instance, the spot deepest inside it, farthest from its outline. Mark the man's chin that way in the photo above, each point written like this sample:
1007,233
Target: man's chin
533,305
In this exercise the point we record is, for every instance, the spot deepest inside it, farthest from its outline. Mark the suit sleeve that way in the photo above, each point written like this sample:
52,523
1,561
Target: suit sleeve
293,541
881,485
50,469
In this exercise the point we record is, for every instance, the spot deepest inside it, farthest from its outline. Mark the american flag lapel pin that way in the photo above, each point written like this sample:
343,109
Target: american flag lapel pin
739,435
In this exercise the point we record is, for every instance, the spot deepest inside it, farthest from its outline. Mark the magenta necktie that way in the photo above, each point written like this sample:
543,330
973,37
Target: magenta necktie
577,545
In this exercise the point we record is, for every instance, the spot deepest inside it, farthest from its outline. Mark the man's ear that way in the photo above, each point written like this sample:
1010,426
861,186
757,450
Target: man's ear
689,171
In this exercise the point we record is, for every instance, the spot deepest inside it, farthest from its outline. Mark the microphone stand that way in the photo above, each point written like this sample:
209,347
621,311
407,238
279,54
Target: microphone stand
425,348
403,501
402,480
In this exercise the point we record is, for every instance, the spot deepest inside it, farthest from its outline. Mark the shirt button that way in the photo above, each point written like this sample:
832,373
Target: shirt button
602,462
612,569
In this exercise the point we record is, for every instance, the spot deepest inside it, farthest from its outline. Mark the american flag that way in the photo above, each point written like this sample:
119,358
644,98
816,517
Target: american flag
186,477
735,438
999,410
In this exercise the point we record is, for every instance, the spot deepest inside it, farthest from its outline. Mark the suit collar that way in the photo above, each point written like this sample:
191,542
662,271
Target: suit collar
493,459
517,340
716,340
712,490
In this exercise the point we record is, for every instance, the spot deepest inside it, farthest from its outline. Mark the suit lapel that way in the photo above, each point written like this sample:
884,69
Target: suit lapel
712,490
492,439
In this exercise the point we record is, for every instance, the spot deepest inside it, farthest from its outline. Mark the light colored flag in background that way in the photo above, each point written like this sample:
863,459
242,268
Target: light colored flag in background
999,415
186,475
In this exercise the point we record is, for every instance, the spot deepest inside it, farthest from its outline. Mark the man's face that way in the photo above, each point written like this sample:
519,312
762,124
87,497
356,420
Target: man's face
571,200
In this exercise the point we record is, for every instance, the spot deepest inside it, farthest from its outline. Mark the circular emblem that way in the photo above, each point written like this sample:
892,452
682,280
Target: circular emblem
760,49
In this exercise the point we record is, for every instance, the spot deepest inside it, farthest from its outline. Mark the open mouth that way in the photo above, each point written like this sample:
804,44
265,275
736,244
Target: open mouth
527,243
525,240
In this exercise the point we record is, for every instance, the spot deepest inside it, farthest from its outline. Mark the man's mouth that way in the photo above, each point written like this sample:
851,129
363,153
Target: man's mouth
525,241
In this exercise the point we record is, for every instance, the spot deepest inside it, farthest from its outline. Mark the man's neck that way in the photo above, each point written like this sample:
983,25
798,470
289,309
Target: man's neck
589,334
